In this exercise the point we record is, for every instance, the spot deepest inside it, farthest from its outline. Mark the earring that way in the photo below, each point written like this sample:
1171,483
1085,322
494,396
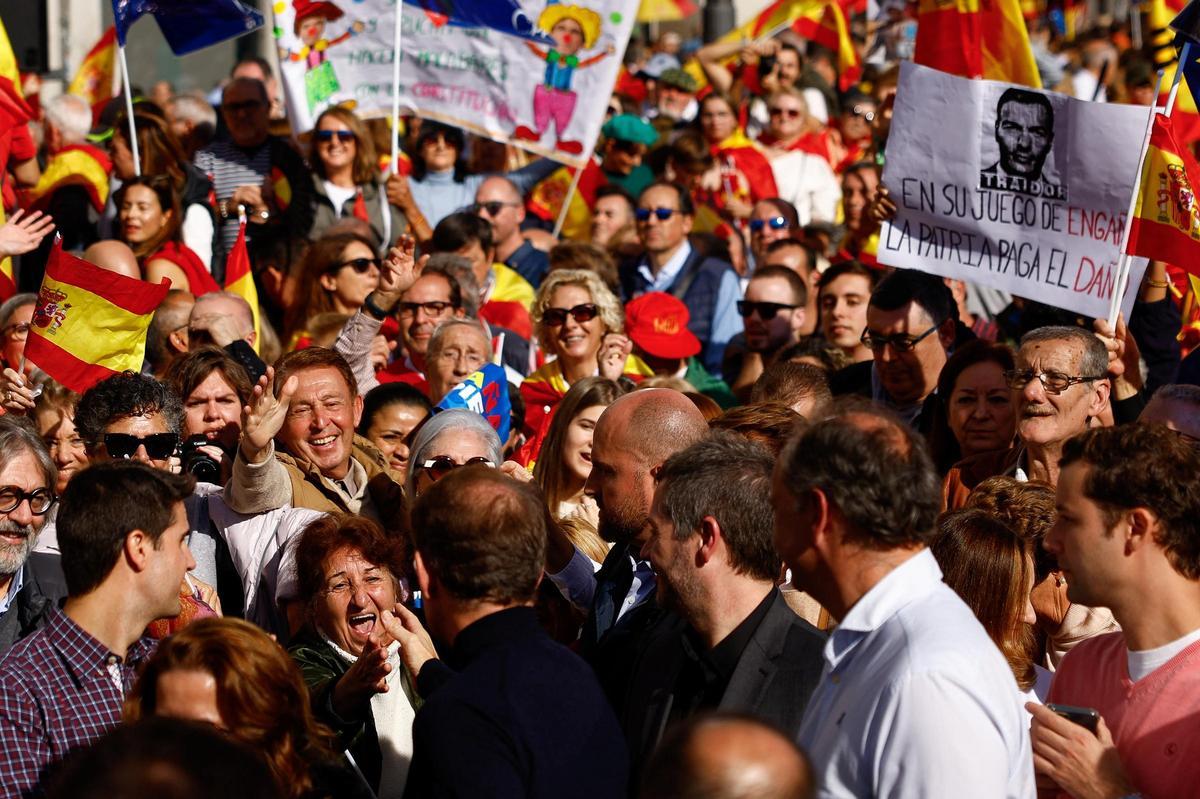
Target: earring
1059,581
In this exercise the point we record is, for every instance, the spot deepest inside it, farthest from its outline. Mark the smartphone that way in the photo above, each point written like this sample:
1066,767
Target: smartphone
1083,716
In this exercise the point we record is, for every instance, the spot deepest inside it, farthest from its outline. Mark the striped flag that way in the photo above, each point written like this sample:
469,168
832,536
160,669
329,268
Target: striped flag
90,324
665,10
1166,218
825,24
239,279
97,79
951,37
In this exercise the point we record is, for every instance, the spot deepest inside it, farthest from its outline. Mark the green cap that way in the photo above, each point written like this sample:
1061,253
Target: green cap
680,79
628,127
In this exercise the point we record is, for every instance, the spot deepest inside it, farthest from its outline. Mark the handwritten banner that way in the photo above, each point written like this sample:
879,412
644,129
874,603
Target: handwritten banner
520,73
1004,186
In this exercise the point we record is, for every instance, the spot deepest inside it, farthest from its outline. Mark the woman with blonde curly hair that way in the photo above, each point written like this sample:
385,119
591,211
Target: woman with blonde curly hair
580,324
231,674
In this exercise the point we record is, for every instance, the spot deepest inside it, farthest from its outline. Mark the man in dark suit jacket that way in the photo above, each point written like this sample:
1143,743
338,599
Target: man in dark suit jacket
510,713
743,648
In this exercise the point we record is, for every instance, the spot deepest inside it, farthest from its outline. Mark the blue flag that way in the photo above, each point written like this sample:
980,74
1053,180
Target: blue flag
1189,61
502,16
1187,23
188,25
486,393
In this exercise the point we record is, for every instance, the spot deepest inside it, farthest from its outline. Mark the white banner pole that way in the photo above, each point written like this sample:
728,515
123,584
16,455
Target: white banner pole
133,142
395,120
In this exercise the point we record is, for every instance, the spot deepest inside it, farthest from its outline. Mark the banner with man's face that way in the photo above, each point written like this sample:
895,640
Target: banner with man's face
1014,188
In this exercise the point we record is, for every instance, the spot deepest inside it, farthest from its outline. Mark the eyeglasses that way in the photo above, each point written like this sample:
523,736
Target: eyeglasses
40,499
493,207
663,214
360,265
432,308
775,223
244,105
790,113
766,310
1052,382
900,342
865,113
326,136
557,317
159,446
442,465
17,331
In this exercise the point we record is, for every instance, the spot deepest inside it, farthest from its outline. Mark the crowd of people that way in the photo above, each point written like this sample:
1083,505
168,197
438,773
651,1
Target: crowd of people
694,499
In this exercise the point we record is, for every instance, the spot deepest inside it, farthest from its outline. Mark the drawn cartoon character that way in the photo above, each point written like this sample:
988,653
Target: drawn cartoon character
320,81
573,29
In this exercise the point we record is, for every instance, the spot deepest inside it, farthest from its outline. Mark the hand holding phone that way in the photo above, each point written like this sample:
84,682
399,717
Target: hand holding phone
1085,717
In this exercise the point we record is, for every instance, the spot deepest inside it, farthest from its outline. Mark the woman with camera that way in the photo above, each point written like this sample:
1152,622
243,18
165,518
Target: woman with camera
213,387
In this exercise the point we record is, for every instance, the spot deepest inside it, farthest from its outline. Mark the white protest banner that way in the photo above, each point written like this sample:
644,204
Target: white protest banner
533,73
1005,186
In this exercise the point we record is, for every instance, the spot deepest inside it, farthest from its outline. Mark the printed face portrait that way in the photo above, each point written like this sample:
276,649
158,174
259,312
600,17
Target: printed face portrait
1024,131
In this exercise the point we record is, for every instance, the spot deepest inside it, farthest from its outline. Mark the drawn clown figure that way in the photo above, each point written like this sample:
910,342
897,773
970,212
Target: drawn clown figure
573,29
320,81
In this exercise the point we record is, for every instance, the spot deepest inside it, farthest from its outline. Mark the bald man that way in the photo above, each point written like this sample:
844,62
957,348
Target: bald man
115,256
633,438
499,201
727,756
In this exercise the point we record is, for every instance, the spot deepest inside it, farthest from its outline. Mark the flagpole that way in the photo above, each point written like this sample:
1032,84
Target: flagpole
1183,57
1125,260
395,162
133,142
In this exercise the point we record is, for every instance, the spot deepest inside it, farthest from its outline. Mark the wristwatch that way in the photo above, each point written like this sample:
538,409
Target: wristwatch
374,310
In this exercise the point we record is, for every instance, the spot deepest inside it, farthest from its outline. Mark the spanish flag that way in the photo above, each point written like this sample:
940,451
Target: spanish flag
950,37
90,324
74,165
239,279
546,199
97,79
1166,217
825,24
665,10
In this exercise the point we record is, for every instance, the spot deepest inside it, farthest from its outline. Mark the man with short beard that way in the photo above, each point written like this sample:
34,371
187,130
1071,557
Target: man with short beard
633,438
31,584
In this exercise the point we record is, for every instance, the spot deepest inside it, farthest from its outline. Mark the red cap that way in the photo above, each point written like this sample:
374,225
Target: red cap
657,325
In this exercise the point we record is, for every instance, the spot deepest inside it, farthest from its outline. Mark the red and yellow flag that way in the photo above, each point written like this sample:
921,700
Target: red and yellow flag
950,37
239,279
13,111
546,199
1166,218
665,10
97,79
90,324
825,24
74,165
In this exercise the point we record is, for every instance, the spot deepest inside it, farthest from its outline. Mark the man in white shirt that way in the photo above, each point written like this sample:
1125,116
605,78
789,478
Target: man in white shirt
915,699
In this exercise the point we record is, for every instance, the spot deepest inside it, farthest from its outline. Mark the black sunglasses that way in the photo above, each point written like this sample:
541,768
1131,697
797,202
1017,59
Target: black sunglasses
775,223
766,310
159,446
360,265
328,135
493,207
557,317
663,214
442,465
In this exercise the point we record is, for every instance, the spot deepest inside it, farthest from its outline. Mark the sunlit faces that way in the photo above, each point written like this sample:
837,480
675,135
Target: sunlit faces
348,284
574,341
1047,418
390,429
717,120
57,428
139,426
464,349
981,413
610,215
620,483
19,527
843,304
858,190
168,562
787,117
336,151
356,591
768,335
16,333
188,694
438,153
460,446
320,422
214,410
577,447
122,157
417,322
671,558
908,377
1089,552
141,215
766,228
662,236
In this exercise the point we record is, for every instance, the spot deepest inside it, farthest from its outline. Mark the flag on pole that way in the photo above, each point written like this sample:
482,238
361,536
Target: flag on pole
1185,116
1166,216
665,10
188,25
546,199
825,24
90,324
950,37
97,79
239,279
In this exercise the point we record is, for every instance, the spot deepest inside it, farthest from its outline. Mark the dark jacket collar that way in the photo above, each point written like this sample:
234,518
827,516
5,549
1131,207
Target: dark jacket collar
495,629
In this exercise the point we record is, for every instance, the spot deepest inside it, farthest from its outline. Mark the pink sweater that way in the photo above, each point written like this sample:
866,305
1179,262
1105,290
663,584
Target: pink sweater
1155,721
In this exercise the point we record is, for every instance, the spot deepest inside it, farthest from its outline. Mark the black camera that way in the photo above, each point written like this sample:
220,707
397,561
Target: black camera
765,65
198,463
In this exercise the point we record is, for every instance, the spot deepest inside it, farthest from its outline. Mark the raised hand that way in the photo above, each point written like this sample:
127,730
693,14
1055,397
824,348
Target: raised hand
265,414
614,351
18,398
399,272
366,677
416,647
23,234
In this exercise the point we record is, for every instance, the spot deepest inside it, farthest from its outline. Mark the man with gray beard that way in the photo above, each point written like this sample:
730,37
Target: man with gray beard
30,586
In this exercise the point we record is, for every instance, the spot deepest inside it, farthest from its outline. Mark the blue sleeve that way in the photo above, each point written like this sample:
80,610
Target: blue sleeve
726,323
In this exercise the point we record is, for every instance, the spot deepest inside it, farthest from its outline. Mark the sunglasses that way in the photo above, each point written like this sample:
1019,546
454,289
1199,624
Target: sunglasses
766,310
775,223
557,317
159,446
432,308
663,214
328,135
790,113
360,265
493,207
442,465
865,113
244,105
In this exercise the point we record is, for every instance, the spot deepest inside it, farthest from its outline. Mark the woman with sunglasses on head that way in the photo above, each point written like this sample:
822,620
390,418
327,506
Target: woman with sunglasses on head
800,150
150,222
339,270
448,440
580,323
348,182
